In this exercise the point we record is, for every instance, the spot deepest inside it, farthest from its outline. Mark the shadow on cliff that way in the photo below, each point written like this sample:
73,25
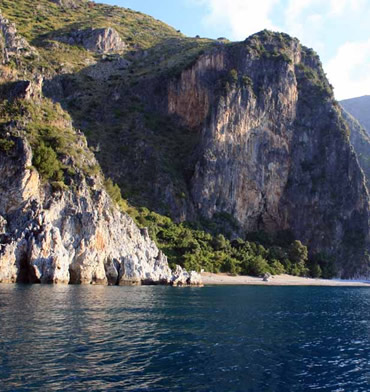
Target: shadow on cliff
122,108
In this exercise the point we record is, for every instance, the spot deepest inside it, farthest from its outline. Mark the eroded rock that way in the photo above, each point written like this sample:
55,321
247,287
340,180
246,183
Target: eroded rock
102,41
11,43
24,89
67,3
70,236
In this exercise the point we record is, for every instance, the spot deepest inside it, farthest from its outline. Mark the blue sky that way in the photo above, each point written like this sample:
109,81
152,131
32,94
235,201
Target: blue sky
339,30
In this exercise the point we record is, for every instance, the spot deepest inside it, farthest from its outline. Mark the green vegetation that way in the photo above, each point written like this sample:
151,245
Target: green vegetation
6,145
40,24
48,129
46,162
194,248
135,28
315,76
114,192
199,245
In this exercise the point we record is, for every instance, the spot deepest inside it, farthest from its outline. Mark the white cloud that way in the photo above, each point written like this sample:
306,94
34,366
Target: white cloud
241,17
293,14
338,7
349,70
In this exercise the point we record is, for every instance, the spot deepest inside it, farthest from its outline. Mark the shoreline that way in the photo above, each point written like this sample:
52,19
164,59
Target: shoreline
210,279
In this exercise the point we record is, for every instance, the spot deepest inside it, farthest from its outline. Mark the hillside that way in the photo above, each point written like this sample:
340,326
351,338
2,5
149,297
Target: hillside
359,108
360,141
240,140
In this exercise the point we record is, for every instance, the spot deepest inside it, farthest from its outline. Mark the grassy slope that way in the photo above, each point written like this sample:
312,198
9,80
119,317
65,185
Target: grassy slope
35,22
139,31
139,131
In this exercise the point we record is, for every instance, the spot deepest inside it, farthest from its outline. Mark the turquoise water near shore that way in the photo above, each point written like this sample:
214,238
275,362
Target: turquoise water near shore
239,338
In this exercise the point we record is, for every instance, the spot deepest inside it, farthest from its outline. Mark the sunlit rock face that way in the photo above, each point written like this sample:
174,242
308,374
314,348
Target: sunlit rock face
103,40
71,235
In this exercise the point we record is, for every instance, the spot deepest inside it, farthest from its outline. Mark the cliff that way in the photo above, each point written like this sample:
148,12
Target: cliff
275,152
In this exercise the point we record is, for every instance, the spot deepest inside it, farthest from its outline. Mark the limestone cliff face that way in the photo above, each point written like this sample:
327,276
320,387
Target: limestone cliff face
71,234
275,152
189,97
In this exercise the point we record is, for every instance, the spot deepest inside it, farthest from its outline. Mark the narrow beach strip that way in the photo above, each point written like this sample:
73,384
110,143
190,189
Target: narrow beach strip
278,280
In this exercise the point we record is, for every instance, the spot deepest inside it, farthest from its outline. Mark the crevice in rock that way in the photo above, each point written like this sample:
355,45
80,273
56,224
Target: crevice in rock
26,274
74,276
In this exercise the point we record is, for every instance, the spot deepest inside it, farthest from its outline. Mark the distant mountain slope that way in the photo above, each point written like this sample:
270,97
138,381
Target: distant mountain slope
359,108
360,141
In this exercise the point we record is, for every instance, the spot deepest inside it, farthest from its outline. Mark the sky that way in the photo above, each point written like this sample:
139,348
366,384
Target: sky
338,30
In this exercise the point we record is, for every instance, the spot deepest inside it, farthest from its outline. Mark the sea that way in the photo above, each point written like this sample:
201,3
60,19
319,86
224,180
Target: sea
155,338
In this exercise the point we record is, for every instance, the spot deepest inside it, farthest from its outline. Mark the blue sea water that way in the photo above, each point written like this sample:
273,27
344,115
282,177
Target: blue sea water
241,338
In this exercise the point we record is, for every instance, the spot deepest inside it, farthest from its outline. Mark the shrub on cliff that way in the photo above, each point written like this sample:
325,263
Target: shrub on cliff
46,162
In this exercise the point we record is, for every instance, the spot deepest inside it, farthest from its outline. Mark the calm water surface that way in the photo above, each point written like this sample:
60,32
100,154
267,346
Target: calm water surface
76,338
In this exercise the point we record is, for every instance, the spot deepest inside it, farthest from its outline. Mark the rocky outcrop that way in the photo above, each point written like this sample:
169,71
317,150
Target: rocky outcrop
102,41
182,277
70,234
23,89
12,44
67,3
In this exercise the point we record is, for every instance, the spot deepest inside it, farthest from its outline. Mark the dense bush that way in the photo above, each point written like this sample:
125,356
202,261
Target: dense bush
46,162
192,247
